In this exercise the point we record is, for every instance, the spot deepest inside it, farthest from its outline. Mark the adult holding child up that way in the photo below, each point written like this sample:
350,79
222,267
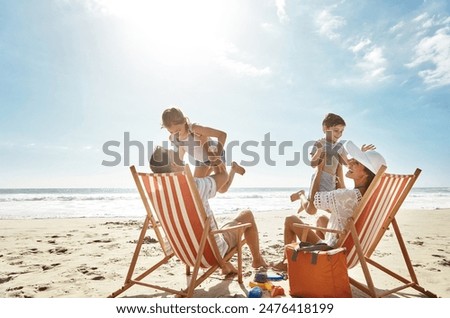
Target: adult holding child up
340,203
164,160
327,158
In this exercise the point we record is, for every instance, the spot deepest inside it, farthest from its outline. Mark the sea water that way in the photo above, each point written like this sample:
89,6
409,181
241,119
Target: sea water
102,202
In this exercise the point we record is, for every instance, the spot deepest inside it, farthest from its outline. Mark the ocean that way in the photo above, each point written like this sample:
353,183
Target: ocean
101,202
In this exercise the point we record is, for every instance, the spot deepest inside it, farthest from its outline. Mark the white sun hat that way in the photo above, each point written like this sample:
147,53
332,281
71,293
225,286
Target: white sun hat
370,159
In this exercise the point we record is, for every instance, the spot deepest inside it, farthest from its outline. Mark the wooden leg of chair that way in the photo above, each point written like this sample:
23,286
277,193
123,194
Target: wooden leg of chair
188,270
137,249
239,256
362,259
405,254
201,248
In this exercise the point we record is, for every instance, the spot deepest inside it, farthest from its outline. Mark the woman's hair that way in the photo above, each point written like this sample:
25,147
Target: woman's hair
173,116
370,176
332,120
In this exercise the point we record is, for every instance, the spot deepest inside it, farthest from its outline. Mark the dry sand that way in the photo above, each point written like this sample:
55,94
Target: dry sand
89,258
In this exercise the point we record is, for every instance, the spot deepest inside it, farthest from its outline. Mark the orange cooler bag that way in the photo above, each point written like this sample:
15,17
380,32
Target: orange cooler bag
315,274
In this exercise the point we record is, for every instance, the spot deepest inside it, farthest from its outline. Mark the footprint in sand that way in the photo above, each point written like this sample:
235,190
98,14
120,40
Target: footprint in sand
5,279
41,288
419,243
58,250
90,271
444,262
31,251
47,267
100,241
16,263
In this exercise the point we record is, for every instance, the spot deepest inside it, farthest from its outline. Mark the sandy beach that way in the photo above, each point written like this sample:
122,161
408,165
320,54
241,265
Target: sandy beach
89,258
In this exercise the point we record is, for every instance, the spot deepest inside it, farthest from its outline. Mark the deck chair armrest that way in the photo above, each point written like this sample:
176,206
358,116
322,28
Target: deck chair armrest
232,228
310,227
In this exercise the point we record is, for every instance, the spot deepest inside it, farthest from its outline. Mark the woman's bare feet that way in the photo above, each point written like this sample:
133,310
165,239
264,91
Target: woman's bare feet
281,266
237,168
297,195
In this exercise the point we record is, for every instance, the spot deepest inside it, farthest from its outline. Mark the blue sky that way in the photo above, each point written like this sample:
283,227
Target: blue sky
77,74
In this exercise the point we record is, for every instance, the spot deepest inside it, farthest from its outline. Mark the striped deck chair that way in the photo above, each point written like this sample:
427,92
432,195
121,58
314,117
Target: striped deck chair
176,214
371,219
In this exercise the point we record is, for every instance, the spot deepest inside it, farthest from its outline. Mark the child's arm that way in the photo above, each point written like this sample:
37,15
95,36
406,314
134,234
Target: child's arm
205,132
316,154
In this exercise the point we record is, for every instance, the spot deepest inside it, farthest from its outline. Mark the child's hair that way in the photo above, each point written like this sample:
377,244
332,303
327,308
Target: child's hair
173,116
332,120
159,161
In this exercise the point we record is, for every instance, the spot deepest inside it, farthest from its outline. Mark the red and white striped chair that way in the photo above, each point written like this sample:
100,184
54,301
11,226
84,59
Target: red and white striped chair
176,214
371,219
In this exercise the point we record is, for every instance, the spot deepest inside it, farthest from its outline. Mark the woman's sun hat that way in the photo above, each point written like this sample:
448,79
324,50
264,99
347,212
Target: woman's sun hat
370,159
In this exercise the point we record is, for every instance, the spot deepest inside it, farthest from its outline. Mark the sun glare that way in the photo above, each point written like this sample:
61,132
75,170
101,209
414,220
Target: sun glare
172,29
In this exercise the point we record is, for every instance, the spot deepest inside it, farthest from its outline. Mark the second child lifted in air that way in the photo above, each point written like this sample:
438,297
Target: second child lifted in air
203,144
327,157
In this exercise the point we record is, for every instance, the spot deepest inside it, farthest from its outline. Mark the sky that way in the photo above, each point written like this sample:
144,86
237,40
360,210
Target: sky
83,84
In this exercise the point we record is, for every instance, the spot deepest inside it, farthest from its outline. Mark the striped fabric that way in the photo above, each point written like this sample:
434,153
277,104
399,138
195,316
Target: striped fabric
375,218
180,216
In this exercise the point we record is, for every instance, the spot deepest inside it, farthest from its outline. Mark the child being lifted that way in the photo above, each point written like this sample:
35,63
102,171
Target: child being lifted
203,144
327,158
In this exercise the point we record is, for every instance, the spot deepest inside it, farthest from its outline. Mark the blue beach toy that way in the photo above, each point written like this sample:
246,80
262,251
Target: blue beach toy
255,292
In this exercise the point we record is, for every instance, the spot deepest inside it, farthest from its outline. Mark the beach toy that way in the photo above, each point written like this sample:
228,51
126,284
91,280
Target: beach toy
275,277
260,277
267,285
277,291
255,292
274,290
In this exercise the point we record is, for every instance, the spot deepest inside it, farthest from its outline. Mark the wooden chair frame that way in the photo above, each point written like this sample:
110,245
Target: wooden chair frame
162,231
384,196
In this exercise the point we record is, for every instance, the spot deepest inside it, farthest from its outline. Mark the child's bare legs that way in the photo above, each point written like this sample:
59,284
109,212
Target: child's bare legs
235,168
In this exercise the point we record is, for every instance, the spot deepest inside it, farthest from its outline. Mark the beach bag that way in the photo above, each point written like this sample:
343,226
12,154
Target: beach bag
317,271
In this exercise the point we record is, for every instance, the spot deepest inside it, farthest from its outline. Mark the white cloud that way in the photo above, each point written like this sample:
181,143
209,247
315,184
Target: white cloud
329,24
360,45
398,27
421,17
281,11
434,50
373,64
226,59
242,68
